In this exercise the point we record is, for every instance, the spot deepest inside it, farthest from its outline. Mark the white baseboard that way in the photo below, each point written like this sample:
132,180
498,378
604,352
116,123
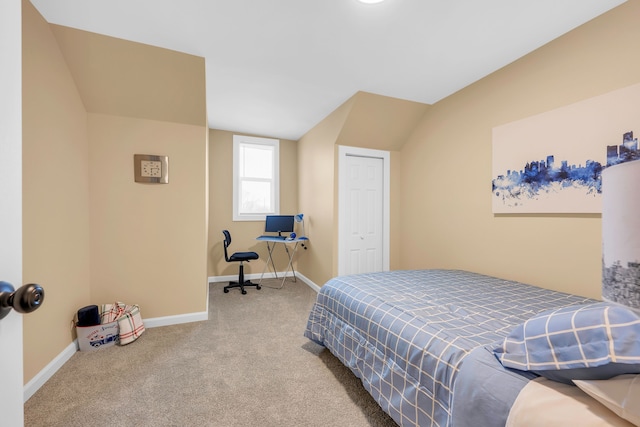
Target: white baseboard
43,376
254,276
216,279
176,320
306,280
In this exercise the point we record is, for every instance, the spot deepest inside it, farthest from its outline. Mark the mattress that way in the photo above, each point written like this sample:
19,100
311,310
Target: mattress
407,334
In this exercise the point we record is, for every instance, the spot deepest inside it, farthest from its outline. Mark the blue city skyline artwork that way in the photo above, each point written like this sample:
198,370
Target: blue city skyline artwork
538,178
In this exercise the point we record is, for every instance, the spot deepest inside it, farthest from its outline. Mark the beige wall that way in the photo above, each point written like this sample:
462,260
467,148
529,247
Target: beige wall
365,120
446,166
317,169
55,194
379,122
123,78
91,235
395,211
148,241
243,233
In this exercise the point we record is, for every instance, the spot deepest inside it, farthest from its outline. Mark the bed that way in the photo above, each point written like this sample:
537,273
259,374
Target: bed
449,347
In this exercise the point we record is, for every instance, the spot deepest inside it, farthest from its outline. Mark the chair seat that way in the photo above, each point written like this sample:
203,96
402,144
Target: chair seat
243,256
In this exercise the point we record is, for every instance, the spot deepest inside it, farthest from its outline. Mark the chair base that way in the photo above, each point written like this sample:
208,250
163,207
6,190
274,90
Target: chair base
241,283
241,286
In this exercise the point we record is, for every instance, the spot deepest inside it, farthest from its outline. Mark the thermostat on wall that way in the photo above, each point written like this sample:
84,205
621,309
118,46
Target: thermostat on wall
151,168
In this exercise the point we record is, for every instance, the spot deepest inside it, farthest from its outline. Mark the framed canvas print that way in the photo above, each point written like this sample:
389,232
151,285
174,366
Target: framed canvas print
552,162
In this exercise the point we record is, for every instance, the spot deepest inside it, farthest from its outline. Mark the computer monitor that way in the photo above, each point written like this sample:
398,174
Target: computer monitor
279,224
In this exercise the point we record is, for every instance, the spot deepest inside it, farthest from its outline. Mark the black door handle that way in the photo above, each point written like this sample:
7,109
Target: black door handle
24,300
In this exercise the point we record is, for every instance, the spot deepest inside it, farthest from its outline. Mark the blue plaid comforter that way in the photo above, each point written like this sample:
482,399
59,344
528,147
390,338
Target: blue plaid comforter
406,333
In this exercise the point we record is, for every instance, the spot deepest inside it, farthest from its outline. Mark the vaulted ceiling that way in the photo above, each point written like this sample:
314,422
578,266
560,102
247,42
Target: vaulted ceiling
276,68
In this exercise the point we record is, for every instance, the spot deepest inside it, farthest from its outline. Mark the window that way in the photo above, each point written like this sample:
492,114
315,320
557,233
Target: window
255,178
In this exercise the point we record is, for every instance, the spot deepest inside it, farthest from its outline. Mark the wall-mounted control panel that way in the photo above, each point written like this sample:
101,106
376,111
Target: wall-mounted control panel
151,168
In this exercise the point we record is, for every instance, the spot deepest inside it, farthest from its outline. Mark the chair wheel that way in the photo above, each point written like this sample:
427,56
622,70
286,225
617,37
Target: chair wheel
258,287
244,292
226,291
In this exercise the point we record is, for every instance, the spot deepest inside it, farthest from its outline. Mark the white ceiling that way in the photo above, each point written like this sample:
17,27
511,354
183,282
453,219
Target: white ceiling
276,68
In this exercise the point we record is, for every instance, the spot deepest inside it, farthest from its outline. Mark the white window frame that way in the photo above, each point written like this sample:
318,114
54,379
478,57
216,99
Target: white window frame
238,141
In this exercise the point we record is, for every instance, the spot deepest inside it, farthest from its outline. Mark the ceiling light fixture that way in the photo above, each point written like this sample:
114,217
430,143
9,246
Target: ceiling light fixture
370,1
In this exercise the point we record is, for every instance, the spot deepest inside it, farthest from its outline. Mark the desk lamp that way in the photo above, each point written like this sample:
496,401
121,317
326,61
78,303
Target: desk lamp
300,218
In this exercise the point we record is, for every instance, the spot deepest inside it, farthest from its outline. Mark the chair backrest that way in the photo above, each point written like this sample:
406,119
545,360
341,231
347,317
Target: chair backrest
226,242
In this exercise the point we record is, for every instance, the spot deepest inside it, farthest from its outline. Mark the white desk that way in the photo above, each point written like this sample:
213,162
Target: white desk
272,242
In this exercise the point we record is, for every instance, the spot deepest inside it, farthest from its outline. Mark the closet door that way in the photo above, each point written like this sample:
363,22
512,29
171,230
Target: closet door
362,217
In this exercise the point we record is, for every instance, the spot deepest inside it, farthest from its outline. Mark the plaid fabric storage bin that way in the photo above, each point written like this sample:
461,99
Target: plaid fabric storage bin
129,320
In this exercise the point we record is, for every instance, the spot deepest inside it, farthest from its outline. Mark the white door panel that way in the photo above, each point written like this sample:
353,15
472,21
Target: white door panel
11,369
363,207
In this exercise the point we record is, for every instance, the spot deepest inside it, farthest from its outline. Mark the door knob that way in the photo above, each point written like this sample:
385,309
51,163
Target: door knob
24,300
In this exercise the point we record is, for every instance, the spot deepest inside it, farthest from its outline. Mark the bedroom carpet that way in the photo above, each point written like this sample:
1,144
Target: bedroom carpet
248,365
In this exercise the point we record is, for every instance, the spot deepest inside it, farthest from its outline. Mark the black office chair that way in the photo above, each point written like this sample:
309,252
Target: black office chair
240,257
